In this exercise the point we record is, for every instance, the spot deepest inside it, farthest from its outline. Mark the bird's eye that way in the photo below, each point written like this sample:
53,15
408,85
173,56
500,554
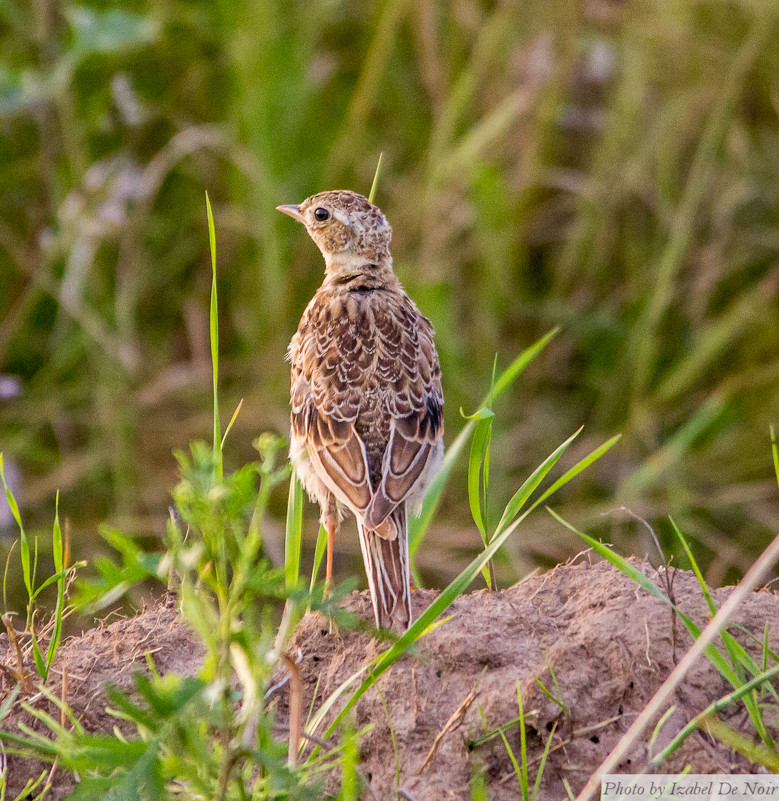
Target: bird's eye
321,214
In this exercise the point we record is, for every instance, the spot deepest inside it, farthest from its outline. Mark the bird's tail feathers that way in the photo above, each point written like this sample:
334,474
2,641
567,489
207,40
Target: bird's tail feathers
388,571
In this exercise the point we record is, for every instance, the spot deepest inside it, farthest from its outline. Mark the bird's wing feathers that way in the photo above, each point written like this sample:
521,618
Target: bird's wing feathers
405,460
340,453
367,399
335,449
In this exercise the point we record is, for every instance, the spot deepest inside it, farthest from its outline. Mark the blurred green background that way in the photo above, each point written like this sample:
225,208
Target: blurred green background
609,167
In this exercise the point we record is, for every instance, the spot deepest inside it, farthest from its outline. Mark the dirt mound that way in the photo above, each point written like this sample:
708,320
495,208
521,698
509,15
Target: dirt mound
608,643
600,645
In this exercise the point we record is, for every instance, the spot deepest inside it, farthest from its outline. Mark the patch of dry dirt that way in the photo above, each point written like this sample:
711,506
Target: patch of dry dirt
609,644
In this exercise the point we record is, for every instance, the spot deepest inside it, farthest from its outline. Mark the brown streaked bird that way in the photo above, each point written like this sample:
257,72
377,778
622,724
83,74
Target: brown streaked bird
366,395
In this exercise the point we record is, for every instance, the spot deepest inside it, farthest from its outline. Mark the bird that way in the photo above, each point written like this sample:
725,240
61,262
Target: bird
366,421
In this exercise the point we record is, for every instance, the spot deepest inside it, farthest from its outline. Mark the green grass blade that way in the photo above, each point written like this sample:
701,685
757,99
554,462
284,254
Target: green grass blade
618,561
475,469
319,552
551,696
775,453
514,506
511,373
754,752
417,526
582,464
486,461
331,699
375,184
542,764
214,337
59,565
34,576
736,652
56,537
24,545
5,575
478,783
40,664
650,746
9,701
491,735
522,745
348,764
515,765
695,568
230,424
766,651
293,532
711,709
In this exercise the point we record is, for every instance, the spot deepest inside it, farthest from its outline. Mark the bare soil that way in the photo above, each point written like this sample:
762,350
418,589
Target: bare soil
601,645
110,653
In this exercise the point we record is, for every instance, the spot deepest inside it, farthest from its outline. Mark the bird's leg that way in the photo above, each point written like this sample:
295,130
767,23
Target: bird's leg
330,522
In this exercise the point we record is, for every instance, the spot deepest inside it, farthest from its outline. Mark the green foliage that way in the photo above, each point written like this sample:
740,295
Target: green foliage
113,580
202,733
375,184
522,765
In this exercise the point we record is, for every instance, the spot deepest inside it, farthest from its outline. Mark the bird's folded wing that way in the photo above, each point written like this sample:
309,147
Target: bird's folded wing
408,451
337,448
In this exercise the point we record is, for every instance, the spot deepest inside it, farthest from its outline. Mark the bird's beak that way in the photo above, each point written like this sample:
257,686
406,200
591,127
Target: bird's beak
292,210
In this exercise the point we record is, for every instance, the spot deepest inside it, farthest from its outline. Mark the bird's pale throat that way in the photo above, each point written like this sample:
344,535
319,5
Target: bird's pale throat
343,269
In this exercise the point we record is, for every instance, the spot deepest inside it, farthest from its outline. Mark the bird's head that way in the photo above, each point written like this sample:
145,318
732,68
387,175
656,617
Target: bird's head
350,231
